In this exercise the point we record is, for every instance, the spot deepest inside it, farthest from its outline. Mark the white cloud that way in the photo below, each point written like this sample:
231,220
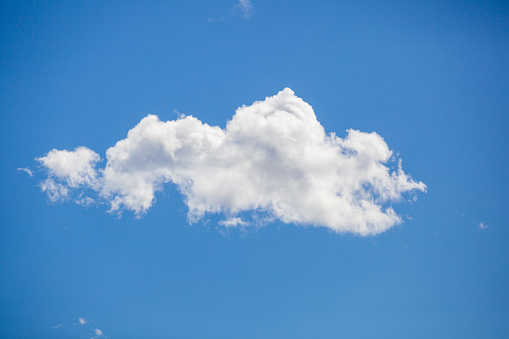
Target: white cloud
27,170
74,167
98,334
55,191
68,170
245,7
233,222
82,321
84,201
273,157
483,226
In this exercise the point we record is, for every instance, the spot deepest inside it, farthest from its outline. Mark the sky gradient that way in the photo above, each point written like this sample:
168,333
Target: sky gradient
431,79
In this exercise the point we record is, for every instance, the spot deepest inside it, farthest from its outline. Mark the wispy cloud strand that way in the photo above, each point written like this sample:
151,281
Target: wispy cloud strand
27,170
245,7
98,334
273,157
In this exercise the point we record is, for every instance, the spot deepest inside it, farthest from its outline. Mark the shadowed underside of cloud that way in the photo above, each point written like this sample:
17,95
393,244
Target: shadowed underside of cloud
273,157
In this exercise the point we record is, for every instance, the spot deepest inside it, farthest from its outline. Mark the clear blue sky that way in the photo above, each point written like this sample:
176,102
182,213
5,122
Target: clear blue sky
432,78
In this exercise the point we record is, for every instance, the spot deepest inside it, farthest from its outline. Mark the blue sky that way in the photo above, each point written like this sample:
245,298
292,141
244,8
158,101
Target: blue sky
431,78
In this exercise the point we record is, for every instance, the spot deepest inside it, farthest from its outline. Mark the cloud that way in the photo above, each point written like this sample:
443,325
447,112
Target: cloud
233,222
245,7
27,170
98,334
82,321
482,226
76,167
72,169
84,201
56,191
272,158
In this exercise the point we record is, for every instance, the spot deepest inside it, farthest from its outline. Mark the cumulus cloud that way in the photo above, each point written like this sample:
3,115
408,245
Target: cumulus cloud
273,157
82,321
482,226
75,168
69,170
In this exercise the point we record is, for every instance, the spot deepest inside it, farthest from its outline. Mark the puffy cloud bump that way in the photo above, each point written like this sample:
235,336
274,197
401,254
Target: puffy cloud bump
273,157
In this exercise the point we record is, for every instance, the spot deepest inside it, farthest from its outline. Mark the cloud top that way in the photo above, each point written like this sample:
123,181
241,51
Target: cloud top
273,157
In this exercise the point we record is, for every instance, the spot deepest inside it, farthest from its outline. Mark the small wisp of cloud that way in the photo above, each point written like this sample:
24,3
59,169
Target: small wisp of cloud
56,191
482,226
98,334
233,222
84,201
27,170
243,9
82,321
